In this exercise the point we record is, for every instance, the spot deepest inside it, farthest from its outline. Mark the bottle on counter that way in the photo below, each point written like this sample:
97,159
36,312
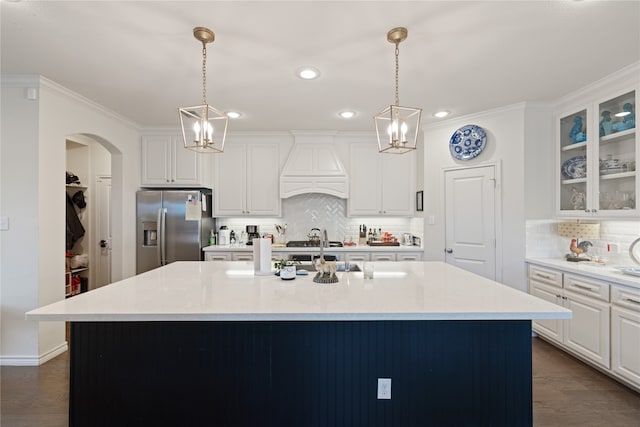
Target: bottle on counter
232,237
212,237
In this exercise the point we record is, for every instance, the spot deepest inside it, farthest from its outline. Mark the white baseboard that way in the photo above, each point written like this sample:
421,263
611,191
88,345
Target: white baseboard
34,360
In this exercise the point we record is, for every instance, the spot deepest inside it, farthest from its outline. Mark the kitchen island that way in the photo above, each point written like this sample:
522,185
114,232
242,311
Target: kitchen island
209,343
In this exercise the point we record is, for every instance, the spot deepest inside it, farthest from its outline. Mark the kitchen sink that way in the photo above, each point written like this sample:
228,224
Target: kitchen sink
310,267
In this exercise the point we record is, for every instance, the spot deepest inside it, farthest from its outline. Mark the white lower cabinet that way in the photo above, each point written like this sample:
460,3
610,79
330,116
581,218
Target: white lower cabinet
625,334
229,256
587,334
383,256
242,256
357,256
551,328
217,256
409,256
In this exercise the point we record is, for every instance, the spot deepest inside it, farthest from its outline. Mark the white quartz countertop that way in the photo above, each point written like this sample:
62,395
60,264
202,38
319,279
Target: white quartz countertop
229,290
315,249
610,273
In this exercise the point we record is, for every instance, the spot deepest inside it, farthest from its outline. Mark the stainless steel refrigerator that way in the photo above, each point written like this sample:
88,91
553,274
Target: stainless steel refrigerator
171,225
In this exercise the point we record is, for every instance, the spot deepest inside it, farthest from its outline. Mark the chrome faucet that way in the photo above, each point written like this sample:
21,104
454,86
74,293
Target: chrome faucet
323,241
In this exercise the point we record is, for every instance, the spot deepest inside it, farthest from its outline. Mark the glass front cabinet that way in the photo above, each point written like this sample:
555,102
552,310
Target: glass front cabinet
598,151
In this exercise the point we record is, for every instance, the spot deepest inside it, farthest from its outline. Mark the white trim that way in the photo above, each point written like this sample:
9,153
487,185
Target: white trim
34,360
26,80
497,207
621,77
474,116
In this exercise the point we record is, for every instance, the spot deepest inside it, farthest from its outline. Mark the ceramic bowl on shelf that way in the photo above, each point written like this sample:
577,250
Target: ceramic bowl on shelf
575,167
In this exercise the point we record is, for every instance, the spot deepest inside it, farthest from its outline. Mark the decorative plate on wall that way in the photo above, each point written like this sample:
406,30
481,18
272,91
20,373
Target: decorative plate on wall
467,142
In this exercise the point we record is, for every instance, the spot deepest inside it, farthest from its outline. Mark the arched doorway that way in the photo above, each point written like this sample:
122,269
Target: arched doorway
99,163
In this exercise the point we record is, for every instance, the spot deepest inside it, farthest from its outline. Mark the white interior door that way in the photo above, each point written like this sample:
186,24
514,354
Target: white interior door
103,220
470,219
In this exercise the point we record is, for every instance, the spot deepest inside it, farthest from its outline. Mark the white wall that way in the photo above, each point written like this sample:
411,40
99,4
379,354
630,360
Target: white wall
506,140
19,176
34,134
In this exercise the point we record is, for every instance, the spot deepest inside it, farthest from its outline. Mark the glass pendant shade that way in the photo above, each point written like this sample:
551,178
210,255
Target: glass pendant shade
397,129
204,129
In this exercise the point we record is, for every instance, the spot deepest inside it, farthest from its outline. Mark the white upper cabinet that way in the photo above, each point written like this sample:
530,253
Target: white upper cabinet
597,156
381,184
247,180
166,163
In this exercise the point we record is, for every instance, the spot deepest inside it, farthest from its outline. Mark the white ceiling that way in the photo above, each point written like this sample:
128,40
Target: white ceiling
139,58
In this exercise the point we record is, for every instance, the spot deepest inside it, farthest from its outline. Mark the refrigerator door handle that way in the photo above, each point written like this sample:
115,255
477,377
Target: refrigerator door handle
163,241
159,236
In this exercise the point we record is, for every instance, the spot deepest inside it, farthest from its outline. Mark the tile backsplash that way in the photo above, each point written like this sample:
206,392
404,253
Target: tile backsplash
615,238
304,212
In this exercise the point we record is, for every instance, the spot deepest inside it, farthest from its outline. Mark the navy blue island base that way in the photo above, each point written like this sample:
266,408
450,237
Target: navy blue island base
301,373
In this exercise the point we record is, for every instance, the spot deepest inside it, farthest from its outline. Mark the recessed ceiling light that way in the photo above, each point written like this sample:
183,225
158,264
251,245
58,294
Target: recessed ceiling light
308,73
347,114
233,114
441,114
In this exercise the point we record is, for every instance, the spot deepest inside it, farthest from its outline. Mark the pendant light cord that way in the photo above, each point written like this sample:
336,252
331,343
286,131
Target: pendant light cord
397,69
204,73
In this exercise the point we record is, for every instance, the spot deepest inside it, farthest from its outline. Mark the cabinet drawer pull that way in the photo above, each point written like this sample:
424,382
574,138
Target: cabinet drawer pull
544,276
632,301
584,288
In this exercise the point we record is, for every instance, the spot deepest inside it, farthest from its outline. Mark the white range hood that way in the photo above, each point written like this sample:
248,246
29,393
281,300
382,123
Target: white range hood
313,166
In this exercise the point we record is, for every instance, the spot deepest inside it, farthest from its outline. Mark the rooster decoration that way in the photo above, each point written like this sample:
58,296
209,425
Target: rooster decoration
579,249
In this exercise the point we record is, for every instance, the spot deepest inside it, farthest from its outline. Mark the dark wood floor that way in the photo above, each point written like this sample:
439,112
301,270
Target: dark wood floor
566,393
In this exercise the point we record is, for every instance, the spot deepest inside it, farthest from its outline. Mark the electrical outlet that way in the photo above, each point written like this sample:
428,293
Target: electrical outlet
384,388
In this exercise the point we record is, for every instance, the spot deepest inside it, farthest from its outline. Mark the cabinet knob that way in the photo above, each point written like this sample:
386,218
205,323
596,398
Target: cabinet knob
449,250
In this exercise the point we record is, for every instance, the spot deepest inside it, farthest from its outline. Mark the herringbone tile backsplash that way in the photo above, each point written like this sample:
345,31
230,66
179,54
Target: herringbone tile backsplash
307,211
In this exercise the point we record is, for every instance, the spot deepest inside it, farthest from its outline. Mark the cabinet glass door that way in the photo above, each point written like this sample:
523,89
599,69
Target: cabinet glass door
617,154
574,191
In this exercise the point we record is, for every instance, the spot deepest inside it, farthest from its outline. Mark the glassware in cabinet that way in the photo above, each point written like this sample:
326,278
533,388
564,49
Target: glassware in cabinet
574,191
617,153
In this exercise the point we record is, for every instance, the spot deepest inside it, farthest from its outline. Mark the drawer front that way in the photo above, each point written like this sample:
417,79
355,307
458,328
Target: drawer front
242,256
383,256
545,275
585,286
624,297
216,256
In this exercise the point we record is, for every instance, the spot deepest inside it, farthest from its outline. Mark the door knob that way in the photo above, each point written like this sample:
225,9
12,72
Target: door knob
449,250
103,243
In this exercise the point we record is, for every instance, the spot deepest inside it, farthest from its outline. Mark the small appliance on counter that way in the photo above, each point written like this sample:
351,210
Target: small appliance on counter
407,239
252,233
224,236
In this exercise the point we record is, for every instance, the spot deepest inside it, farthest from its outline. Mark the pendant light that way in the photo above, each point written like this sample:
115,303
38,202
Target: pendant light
396,126
204,128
